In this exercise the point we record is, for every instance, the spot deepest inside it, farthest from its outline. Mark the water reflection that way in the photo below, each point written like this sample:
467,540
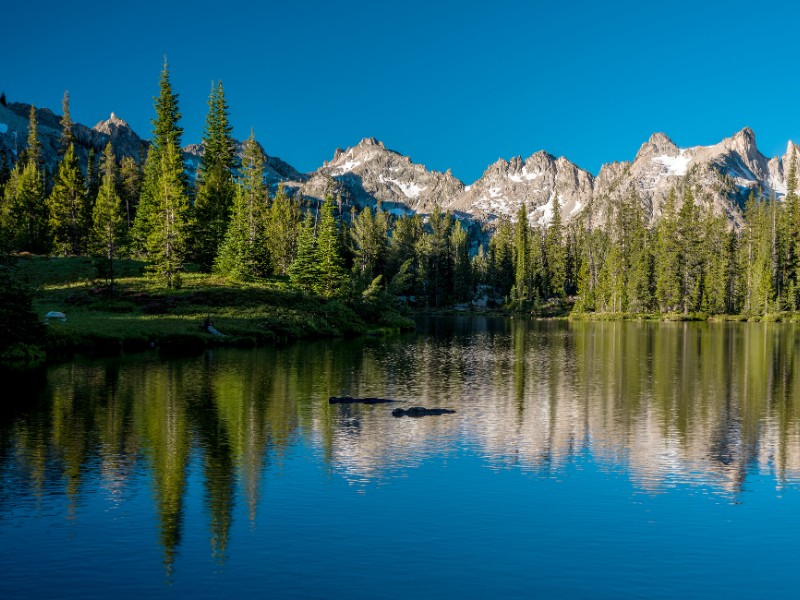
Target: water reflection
671,404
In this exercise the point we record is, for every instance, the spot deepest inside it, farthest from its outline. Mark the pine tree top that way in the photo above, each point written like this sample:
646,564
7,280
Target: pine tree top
165,126
67,134
34,149
219,147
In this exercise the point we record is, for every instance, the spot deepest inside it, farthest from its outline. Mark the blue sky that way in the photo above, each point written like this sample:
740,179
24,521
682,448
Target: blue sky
451,84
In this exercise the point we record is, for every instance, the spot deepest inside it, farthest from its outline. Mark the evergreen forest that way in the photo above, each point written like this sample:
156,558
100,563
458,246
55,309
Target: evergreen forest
689,263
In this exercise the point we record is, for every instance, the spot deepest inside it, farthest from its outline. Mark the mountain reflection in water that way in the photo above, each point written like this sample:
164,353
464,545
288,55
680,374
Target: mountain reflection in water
671,404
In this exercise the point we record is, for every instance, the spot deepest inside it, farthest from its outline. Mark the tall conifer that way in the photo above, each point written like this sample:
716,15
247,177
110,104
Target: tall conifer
166,132
70,216
210,213
166,241
67,133
556,253
244,253
332,274
33,150
522,256
304,270
108,224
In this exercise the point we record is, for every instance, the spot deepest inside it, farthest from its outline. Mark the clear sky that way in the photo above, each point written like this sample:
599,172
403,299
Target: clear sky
451,84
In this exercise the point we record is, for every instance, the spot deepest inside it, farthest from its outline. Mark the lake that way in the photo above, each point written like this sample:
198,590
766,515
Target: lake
616,459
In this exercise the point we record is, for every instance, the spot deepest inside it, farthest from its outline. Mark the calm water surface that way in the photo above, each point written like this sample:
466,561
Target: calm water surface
584,460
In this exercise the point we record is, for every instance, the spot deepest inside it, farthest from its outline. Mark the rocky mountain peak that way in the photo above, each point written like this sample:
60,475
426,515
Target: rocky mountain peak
744,143
369,172
658,145
747,135
112,123
370,141
366,150
119,133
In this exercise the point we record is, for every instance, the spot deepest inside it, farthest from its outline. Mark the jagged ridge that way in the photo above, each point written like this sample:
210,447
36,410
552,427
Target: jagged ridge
721,175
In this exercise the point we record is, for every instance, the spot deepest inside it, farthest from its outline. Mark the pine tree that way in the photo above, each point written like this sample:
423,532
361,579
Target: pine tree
462,267
215,182
692,272
405,237
166,132
638,258
130,188
572,261
283,227
480,267
24,210
33,151
555,254
67,134
108,223
792,229
668,259
501,258
611,291
166,241
70,216
244,253
435,261
304,270
594,247
756,257
370,236
539,281
718,258
332,274
92,176
523,274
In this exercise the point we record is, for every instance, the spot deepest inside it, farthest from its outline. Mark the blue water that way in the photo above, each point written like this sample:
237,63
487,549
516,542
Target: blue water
572,468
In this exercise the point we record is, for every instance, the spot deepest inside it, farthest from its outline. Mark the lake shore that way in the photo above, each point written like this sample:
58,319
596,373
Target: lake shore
139,314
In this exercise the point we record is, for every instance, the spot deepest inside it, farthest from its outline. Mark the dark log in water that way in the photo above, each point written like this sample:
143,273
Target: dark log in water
420,411
351,400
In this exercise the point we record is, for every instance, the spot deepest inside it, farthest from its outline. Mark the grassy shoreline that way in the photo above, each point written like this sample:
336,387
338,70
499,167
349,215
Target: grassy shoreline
140,314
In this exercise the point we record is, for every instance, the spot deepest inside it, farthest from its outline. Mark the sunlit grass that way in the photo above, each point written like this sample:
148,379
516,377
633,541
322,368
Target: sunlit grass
141,312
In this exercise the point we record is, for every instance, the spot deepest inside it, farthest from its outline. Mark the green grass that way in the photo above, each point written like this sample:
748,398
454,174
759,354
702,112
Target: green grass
142,314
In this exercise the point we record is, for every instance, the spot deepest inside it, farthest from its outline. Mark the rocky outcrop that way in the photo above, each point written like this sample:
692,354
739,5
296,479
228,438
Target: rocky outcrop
720,176
14,134
368,173
537,183
123,139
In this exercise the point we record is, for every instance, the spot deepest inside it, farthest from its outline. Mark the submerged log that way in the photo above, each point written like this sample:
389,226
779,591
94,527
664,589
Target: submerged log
351,400
420,411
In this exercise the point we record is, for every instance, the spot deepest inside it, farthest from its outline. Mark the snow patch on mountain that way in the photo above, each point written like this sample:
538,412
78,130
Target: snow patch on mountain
676,165
410,189
545,213
348,165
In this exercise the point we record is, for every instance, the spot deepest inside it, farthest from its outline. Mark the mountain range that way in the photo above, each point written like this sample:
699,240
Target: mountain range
722,175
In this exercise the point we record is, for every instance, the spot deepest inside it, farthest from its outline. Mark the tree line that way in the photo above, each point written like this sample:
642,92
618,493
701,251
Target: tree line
228,220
